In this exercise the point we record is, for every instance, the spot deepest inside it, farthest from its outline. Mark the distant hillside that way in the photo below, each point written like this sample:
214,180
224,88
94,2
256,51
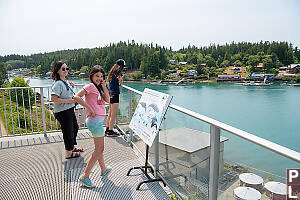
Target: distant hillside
152,59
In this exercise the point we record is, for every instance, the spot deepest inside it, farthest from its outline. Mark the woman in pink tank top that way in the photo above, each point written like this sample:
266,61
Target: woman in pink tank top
96,93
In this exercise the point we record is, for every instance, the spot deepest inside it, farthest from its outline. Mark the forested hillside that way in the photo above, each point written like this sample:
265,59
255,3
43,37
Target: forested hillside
151,59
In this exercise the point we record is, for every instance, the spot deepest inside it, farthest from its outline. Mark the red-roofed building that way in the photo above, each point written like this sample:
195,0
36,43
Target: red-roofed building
260,65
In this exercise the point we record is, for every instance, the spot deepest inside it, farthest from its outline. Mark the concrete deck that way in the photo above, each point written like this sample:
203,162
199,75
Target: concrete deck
34,167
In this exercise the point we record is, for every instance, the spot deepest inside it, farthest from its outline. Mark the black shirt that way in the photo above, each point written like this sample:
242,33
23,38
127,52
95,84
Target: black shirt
114,85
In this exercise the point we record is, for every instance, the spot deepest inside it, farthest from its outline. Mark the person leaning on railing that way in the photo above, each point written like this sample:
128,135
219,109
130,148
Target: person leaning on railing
64,104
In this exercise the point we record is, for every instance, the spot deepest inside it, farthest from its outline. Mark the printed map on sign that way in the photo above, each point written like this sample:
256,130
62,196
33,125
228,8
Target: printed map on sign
149,114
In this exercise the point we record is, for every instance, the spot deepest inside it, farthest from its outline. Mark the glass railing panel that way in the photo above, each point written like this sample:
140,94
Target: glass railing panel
187,172
184,154
242,157
123,117
140,146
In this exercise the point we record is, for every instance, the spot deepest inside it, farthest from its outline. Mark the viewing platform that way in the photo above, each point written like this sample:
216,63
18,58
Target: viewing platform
34,167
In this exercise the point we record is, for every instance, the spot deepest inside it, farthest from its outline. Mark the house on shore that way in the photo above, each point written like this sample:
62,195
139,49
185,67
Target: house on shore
285,75
192,72
174,75
236,69
262,76
293,68
257,76
260,65
172,61
228,77
48,74
182,63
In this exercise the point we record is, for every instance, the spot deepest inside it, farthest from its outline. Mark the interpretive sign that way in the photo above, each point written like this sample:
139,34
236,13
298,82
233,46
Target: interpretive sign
149,114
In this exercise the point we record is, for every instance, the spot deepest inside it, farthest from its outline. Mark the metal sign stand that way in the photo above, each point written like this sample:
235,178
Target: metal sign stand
162,99
144,170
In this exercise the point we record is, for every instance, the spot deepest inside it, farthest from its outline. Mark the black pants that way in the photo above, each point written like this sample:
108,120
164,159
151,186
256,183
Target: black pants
69,127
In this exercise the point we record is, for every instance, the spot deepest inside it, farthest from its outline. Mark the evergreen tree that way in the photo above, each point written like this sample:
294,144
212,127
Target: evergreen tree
141,56
3,74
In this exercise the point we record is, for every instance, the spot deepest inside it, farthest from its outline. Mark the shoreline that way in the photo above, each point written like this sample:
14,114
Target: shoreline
168,82
172,82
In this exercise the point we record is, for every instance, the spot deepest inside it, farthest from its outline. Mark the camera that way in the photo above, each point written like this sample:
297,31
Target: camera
122,65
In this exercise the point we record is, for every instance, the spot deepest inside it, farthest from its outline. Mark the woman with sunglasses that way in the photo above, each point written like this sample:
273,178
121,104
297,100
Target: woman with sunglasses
62,96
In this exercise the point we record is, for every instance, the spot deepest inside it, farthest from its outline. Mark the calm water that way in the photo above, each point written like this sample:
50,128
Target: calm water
272,113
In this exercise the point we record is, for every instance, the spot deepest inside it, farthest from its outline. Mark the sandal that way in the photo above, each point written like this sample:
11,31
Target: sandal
76,149
73,155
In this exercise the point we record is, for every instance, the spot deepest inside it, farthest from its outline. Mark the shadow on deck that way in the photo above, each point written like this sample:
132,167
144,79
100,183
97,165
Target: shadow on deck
34,167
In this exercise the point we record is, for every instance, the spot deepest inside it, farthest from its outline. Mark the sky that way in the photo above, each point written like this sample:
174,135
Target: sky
38,26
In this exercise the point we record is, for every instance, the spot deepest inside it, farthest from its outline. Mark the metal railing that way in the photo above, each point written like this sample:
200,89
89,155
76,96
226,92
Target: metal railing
29,110
215,128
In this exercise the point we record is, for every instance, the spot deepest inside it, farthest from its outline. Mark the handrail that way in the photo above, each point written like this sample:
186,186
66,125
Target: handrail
291,154
134,90
286,152
43,86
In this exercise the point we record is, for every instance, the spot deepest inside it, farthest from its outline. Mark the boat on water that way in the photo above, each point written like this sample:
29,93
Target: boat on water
295,84
158,83
252,83
180,82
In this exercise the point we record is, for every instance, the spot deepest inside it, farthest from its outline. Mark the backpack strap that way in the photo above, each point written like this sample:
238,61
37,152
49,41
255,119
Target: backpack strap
67,86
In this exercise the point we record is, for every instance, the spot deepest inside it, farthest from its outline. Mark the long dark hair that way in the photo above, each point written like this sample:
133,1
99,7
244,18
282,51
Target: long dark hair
94,70
55,76
114,71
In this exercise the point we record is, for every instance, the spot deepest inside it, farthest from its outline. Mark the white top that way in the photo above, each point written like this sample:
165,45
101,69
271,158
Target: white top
276,187
251,178
247,193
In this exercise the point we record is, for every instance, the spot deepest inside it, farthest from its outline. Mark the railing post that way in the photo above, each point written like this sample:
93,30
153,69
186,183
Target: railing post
156,151
11,112
130,104
1,128
43,111
117,117
214,162
130,115
5,128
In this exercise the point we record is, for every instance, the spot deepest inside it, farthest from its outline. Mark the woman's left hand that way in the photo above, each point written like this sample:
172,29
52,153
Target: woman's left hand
71,83
103,83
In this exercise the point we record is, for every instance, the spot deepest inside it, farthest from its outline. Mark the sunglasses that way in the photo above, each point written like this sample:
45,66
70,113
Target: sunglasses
64,69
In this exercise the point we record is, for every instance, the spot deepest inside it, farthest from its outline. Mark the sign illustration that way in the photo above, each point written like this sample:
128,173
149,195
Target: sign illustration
149,114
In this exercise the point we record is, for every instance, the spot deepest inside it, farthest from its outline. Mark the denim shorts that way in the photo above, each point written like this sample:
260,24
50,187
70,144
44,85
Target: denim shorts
95,125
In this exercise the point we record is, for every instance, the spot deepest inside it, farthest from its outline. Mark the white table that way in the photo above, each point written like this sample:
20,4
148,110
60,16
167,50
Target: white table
251,180
276,190
247,193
